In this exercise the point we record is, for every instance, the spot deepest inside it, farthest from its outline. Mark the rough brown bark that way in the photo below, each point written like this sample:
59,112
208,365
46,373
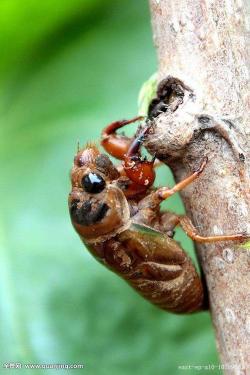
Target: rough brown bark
204,44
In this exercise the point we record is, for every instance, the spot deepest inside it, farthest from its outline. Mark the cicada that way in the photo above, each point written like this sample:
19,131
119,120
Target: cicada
116,212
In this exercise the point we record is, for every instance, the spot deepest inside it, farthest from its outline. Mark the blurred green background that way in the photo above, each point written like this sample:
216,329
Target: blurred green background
67,68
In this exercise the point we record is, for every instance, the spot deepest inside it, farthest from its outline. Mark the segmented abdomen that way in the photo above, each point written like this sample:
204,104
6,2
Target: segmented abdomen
155,266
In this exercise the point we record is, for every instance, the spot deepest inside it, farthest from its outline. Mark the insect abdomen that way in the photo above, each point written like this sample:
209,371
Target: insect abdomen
181,294
156,267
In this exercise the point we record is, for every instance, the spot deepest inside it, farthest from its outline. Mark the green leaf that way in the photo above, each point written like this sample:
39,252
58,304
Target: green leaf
246,245
146,94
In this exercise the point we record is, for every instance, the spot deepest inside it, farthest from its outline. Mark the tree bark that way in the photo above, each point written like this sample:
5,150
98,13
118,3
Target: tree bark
204,45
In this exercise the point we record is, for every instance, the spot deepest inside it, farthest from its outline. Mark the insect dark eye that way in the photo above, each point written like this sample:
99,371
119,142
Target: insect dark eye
93,183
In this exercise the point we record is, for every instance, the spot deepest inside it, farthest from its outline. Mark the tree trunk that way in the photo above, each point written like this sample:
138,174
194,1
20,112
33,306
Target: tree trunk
203,45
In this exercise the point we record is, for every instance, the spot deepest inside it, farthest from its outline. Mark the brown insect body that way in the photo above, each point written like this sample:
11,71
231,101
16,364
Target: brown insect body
155,266
116,212
148,259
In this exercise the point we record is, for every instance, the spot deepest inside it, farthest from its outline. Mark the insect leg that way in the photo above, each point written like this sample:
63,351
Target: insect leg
120,167
115,144
191,231
140,171
185,222
165,193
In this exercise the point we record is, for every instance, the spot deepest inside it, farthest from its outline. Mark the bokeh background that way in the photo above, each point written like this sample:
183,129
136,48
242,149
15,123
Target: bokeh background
67,68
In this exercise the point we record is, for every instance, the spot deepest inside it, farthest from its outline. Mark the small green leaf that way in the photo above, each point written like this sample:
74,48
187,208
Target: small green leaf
146,94
246,245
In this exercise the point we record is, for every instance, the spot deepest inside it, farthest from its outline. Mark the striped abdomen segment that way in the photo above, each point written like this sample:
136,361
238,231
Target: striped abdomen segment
155,266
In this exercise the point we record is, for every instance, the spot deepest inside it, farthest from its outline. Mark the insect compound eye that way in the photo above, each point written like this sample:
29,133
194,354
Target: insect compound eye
93,183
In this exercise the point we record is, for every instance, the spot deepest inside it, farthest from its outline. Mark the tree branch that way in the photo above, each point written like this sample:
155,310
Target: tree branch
202,51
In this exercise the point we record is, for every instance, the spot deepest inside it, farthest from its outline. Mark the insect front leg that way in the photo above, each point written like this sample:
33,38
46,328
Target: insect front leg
115,144
139,171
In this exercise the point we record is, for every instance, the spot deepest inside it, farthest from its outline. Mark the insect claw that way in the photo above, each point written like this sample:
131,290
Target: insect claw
117,145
